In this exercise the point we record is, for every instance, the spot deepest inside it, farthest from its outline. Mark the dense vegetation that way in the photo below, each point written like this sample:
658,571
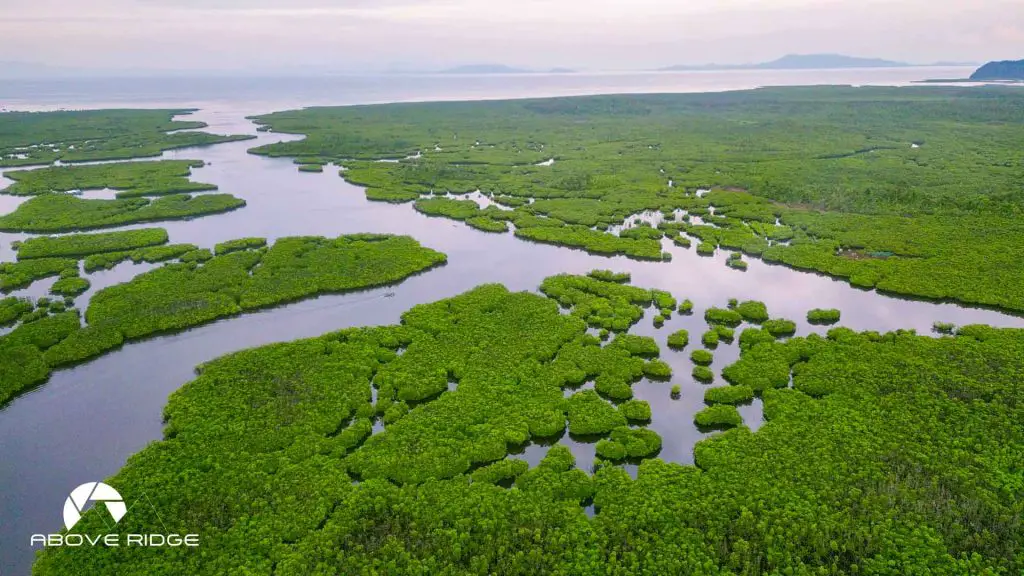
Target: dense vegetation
130,179
86,135
823,316
152,254
70,286
63,213
679,340
12,308
180,295
43,138
270,455
76,245
14,275
911,191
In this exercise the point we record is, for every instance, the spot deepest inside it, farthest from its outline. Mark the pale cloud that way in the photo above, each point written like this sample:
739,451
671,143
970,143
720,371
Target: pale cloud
374,34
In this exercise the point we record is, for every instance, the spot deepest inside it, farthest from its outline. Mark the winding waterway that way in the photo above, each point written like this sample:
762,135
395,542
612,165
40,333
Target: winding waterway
85,422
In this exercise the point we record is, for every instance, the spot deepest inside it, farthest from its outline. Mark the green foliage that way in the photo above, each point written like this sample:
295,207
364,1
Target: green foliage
260,451
600,304
14,275
576,236
735,261
130,179
943,328
710,338
751,337
686,307
63,213
589,415
703,374
28,138
12,308
311,168
22,364
611,450
42,333
70,286
511,201
725,333
723,316
104,261
179,296
760,367
820,178
448,207
21,367
729,395
486,224
677,392
753,311
657,370
239,244
702,357
156,254
823,316
778,327
77,245
633,443
636,345
89,342
636,410
718,416
609,276
197,256
664,300
391,196
679,340
395,412
659,321
502,470
38,313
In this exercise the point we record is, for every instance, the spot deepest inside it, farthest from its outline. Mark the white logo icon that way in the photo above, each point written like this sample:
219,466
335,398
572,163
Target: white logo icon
97,491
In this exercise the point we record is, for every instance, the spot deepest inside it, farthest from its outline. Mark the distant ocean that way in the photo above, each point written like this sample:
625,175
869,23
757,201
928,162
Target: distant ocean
268,94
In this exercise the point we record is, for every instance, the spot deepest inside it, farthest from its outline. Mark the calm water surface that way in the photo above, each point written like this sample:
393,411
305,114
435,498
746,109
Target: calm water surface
83,423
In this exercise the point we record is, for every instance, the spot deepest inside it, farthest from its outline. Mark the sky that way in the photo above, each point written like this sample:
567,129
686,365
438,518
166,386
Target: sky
381,35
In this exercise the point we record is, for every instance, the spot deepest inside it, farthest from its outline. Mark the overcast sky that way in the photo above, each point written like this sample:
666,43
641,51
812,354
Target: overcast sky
423,34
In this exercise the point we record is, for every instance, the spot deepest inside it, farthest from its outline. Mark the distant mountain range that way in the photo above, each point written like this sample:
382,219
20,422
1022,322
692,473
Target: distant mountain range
1004,70
25,70
501,69
810,62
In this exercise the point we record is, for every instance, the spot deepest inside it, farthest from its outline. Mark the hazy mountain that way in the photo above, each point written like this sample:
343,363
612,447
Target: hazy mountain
484,69
821,61
500,69
801,62
1004,70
